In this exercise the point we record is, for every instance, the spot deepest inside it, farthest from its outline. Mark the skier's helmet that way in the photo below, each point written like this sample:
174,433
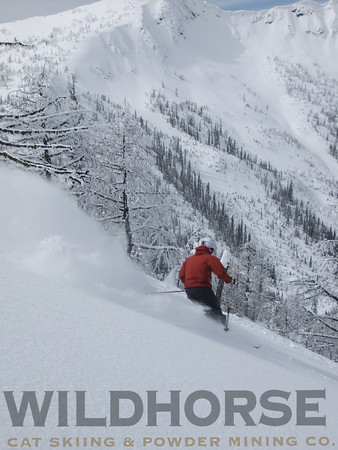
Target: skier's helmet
208,242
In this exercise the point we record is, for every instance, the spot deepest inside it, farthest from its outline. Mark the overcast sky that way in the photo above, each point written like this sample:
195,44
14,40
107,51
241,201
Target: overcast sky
254,5
20,9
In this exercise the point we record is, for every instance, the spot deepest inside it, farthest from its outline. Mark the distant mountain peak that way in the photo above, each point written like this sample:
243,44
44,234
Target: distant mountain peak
174,7
173,14
302,9
301,18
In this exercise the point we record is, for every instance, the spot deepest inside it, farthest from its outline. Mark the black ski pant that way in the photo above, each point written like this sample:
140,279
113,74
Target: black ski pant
204,295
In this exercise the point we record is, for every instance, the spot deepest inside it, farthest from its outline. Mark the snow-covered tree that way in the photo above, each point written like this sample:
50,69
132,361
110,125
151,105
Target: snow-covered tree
43,131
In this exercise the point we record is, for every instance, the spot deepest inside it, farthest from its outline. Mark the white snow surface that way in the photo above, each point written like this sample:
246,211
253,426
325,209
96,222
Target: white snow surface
76,314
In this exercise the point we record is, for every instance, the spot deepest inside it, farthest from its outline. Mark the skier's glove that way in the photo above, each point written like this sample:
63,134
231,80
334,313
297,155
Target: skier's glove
233,281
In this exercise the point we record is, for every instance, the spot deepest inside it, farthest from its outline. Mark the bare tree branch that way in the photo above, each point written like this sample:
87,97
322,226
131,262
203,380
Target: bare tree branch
20,44
315,285
76,176
157,247
32,113
35,146
318,318
42,131
326,336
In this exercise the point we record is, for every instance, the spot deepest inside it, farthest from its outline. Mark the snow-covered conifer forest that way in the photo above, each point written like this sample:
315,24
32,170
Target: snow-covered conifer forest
172,119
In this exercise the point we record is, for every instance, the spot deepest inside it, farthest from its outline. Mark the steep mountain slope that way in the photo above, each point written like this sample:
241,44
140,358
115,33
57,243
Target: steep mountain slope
246,68
70,324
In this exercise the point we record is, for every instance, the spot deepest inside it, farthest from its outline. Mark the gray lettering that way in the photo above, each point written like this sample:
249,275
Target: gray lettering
303,407
28,399
115,398
63,408
81,419
266,403
173,407
243,410
202,421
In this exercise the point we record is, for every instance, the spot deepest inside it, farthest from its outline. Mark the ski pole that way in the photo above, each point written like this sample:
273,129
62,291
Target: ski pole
163,292
226,328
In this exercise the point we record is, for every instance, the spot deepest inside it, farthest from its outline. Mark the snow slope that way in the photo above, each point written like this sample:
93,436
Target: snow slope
76,317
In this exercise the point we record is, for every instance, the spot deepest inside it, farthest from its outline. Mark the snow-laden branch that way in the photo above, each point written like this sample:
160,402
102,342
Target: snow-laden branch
32,113
42,131
329,294
326,336
141,208
59,114
110,218
15,159
157,247
9,44
314,285
35,146
330,318
104,196
319,318
74,175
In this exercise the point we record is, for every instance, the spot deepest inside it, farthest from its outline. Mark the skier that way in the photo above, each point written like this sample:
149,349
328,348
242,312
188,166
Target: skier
195,274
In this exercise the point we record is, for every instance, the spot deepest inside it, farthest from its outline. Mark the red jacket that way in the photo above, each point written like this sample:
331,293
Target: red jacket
196,270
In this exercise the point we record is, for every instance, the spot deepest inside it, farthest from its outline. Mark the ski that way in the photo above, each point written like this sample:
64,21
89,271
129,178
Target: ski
219,316
164,292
